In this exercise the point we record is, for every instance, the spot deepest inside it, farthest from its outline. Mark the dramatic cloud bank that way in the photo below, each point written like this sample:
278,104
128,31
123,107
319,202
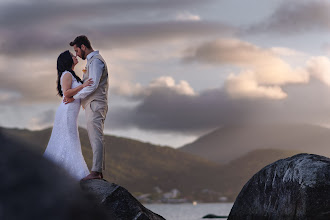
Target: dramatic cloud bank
263,71
169,111
46,27
265,89
177,66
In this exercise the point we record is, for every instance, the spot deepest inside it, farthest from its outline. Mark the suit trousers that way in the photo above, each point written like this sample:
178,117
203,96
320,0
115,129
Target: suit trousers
96,112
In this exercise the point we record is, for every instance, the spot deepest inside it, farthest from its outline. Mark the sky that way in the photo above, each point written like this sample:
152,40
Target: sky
178,68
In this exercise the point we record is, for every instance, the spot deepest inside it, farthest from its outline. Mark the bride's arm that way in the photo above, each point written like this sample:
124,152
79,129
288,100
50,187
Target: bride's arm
66,86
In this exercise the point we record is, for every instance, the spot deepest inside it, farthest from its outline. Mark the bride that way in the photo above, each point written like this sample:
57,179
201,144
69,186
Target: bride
64,147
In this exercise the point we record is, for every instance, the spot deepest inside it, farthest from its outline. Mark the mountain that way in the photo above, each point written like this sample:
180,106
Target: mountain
135,165
231,142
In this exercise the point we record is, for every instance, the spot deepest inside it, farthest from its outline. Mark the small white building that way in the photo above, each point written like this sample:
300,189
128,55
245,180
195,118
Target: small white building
174,193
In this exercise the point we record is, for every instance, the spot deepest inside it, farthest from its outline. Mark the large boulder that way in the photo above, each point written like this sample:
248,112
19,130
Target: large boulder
33,188
117,201
293,188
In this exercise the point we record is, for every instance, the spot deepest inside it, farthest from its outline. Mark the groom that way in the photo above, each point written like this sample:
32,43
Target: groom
94,100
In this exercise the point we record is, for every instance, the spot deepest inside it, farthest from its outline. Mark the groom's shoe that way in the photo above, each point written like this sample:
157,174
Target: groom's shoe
93,175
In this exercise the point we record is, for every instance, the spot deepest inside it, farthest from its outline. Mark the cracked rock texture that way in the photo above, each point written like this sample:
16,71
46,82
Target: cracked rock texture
293,188
117,201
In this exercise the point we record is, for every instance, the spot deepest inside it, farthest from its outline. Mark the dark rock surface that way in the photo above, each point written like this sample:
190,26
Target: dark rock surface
214,216
117,201
293,188
33,188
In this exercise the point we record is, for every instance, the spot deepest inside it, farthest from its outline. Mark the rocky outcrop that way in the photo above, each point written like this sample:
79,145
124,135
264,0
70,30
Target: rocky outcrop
294,188
33,188
117,201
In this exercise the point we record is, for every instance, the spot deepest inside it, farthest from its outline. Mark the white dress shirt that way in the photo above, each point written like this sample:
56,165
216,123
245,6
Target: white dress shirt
95,72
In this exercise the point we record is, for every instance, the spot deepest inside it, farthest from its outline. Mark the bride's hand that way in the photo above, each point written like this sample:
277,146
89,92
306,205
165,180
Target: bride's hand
68,100
88,82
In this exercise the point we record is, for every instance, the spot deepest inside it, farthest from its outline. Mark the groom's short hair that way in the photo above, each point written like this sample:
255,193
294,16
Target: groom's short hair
81,40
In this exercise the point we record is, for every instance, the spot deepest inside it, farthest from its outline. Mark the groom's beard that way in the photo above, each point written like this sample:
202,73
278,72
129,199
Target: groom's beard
83,55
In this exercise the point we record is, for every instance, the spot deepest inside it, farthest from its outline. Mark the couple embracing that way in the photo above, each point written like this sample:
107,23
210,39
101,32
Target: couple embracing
64,148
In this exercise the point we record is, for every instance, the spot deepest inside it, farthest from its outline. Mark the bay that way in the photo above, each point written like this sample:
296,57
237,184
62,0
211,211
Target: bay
188,211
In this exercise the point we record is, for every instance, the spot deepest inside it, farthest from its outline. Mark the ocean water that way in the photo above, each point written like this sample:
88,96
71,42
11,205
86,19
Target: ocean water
188,211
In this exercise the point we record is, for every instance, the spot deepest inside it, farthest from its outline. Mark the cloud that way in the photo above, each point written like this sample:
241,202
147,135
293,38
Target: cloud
167,82
163,104
111,36
299,94
268,67
245,85
167,105
21,14
44,27
187,16
262,87
164,83
262,70
29,81
296,16
33,89
168,111
33,34
107,36
319,67
126,35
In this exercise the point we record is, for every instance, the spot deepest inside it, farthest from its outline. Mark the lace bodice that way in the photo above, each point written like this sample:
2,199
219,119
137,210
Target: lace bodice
74,83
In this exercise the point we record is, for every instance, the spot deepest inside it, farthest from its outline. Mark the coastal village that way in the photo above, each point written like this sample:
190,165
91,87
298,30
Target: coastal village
174,196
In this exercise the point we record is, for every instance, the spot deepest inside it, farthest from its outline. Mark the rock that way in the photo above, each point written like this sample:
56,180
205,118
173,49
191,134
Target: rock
33,188
214,216
293,188
117,201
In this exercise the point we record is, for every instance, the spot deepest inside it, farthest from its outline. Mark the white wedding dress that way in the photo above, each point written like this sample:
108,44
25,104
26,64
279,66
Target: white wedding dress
64,147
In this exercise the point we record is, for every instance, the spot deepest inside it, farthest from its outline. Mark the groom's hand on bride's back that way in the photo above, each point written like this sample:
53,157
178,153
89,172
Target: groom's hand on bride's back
67,100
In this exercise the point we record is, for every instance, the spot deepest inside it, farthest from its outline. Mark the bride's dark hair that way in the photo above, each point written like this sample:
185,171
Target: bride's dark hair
64,62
